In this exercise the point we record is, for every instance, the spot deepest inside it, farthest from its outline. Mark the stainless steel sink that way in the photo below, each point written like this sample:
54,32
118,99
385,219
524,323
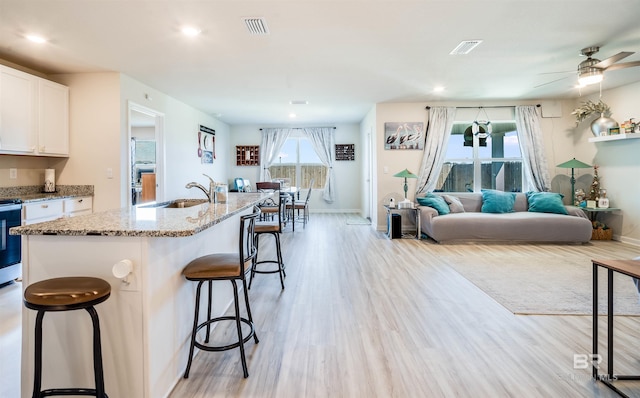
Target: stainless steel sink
178,203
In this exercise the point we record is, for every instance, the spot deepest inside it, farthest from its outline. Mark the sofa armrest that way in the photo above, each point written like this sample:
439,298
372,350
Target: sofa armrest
576,211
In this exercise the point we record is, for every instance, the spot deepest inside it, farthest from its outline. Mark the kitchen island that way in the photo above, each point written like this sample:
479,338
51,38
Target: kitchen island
146,323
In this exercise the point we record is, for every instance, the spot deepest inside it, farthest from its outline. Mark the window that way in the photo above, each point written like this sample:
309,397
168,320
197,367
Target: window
473,163
298,164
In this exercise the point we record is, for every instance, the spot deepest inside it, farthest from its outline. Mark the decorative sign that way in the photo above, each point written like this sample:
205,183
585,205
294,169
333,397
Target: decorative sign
345,152
404,135
206,144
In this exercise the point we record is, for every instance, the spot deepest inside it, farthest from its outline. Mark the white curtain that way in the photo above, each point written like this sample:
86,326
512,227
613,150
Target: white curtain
272,141
323,141
530,138
438,132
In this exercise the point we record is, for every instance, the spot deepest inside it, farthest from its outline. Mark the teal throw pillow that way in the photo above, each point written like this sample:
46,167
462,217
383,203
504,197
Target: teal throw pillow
435,201
546,202
497,201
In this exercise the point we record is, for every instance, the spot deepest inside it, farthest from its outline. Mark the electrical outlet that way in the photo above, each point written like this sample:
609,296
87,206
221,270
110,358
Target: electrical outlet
13,174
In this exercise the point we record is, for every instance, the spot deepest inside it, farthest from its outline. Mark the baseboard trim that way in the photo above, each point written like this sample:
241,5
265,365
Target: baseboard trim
630,241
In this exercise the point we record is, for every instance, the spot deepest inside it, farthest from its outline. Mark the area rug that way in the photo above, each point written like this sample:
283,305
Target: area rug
547,286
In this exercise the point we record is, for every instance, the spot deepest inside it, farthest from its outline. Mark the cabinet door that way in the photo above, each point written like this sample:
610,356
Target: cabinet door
42,211
53,121
18,111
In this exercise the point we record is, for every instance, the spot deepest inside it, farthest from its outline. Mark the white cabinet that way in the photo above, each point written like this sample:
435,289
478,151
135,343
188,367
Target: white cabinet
46,210
53,119
78,206
18,111
34,115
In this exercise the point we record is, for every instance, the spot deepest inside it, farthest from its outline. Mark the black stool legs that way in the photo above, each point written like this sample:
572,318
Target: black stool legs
237,318
280,270
97,363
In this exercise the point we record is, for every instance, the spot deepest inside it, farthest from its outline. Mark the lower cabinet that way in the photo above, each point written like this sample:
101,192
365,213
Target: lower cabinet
53,209
78,206
42,211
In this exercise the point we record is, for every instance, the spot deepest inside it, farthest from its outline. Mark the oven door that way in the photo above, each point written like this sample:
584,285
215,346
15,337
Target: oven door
10,245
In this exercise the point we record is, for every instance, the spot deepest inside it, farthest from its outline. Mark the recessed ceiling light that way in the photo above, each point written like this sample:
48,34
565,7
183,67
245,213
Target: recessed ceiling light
190,31
36,38
298,102
438,89
292,115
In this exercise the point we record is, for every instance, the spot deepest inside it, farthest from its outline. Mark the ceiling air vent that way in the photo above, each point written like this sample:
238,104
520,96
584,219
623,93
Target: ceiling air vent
256,25
465,47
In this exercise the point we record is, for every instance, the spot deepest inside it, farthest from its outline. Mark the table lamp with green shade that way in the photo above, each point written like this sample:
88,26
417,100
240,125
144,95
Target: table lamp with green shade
573,164
405,174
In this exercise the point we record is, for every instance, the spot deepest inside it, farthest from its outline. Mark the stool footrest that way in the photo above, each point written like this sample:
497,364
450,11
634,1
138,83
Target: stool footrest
229,346
55,392
275,271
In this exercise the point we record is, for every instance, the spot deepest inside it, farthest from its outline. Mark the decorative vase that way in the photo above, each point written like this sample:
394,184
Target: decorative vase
601,125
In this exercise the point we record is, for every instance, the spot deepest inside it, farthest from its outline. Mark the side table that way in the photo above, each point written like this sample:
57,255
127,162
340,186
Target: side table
594,211
627,267
412,212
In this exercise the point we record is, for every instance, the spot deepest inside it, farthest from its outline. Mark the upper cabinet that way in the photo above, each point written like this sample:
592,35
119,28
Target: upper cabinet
34,115
53,120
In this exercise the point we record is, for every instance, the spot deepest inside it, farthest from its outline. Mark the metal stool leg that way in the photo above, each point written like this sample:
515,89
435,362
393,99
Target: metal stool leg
246,300
256,239
37,379
239,327
97,353
193,332
206,340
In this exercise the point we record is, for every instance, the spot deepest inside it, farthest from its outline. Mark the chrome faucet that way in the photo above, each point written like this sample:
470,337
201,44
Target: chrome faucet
211,194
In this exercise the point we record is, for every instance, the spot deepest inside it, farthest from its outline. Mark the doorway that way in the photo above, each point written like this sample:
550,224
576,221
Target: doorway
146,155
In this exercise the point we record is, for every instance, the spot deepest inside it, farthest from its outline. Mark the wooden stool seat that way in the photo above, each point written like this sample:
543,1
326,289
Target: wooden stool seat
63,294
218,265
67,294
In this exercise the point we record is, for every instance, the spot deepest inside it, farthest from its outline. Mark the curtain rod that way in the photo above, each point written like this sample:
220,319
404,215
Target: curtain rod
481,107
301,128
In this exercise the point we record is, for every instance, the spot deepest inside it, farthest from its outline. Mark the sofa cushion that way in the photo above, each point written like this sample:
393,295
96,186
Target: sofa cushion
546,202
436,202
455,205
494,201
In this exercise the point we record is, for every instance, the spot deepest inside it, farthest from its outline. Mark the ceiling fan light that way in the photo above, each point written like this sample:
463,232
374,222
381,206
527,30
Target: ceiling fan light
591,77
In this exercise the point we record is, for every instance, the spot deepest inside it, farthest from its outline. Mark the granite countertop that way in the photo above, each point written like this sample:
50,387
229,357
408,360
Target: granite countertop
147,221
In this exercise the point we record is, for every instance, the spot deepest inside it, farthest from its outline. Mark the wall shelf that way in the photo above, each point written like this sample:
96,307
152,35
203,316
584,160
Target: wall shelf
615,137
247,155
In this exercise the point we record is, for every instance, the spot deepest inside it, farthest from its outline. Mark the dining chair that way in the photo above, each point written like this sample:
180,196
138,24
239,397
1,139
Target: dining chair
303,205
268,207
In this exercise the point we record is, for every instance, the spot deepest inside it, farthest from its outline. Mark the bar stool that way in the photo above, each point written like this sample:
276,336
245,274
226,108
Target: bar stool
227,267
274,229
68,294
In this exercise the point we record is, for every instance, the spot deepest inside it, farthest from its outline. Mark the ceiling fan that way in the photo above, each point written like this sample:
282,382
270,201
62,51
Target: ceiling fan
591,70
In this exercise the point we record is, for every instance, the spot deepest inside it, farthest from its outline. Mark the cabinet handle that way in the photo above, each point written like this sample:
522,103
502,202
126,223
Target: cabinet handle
80,200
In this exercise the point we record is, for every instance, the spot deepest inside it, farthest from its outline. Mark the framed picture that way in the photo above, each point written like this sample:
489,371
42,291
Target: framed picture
206,144
614,130
404,135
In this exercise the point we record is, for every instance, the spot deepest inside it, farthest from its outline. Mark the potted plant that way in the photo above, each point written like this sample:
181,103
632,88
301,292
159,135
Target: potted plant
601,125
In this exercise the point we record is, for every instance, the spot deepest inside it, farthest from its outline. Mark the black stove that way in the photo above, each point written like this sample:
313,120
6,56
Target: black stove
11,245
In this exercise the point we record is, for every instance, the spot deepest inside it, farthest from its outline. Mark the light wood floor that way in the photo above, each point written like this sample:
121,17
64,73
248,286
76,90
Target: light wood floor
363,315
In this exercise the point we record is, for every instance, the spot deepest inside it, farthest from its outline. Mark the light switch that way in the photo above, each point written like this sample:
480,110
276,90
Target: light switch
385,169
13,174
109,172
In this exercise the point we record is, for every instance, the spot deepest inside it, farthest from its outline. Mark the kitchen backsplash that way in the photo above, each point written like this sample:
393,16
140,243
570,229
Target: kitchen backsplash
76,190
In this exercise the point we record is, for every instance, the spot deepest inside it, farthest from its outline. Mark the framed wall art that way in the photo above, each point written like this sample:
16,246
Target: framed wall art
404,135
206,144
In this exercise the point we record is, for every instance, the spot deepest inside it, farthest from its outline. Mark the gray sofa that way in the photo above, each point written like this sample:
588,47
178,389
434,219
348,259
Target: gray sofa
520,225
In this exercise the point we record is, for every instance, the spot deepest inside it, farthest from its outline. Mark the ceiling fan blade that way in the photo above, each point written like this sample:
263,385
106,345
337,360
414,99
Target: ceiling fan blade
624,65
552,81
555,73
604,64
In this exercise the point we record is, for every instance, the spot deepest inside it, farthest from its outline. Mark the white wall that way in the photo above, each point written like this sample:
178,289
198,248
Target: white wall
348,173
619,162
94,146
99,138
